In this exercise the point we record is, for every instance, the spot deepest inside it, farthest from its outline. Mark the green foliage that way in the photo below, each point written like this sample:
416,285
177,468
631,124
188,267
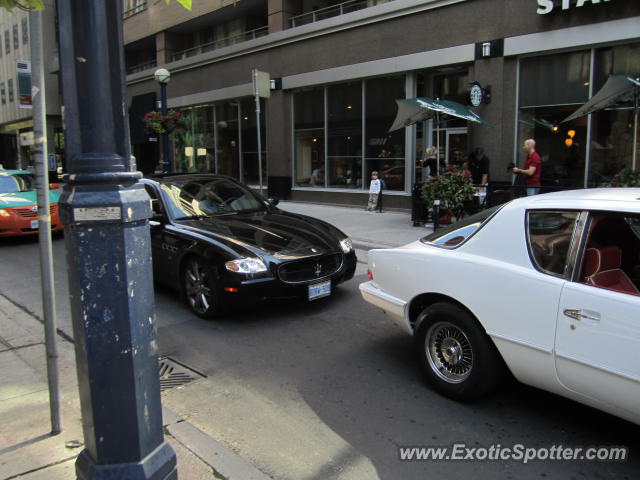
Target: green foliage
156,122
185,3
626,178
22,4
452,188
39,4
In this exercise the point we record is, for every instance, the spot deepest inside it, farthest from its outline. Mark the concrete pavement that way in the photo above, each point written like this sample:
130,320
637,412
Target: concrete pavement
366,229
29,452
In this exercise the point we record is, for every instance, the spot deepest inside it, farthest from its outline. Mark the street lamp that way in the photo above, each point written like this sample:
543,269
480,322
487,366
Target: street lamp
163,77
106,212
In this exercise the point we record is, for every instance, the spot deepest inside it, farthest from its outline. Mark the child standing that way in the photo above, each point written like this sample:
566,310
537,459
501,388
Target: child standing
374,191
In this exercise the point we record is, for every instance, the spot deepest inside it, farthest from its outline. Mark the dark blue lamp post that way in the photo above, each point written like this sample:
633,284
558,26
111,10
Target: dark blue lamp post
163,77
105,211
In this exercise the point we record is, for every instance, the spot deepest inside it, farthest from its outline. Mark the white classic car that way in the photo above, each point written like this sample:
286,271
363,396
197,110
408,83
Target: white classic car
546,286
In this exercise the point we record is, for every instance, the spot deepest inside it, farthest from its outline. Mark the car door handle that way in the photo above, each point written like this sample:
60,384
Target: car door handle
578,314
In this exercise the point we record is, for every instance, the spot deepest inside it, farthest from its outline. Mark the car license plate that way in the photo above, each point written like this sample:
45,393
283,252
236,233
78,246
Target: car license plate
34,224
319,290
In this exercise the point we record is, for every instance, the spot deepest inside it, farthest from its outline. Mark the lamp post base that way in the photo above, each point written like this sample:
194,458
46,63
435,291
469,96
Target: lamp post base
158,465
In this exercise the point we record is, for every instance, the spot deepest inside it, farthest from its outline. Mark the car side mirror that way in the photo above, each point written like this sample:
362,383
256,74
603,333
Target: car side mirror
273,201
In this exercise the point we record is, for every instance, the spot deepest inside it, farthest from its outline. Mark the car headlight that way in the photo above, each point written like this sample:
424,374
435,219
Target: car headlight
346,245
4,213
246,265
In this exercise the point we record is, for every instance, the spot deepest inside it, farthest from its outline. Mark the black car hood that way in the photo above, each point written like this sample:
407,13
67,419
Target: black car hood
275,232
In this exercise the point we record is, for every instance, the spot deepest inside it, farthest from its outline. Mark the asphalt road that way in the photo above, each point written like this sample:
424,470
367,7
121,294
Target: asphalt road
330,389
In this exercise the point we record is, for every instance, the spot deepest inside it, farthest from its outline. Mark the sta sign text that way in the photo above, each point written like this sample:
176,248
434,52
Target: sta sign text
546,6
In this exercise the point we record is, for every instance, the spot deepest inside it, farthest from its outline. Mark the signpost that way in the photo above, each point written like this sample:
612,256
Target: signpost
261,88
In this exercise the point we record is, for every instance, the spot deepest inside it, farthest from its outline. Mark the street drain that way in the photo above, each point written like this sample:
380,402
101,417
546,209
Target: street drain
174,374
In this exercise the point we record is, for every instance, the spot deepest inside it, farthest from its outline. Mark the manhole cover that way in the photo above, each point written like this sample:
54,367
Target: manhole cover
174,374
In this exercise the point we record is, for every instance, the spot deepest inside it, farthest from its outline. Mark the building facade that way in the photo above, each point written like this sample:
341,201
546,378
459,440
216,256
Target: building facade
338,67
16,113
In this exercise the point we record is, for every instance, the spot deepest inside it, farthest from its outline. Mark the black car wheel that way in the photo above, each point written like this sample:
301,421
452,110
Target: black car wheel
456,355
199,288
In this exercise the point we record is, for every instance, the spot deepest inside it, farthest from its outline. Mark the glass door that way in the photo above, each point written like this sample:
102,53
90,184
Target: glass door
456,147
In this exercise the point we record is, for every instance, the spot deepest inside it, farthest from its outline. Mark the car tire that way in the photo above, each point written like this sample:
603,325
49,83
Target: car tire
456,355
199,288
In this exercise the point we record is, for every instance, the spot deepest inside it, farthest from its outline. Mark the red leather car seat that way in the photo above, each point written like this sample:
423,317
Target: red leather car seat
602,269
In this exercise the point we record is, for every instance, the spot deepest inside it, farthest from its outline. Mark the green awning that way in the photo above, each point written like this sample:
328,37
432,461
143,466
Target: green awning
618,90
413,110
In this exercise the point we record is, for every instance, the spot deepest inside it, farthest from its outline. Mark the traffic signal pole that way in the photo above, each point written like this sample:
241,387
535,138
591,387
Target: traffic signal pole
106,212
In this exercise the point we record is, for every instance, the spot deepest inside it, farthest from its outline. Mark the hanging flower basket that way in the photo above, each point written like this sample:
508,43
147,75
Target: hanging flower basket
159,124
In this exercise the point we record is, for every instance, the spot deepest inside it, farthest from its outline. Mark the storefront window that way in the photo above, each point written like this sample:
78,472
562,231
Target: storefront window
251,174
344,156
551,88
194,145
451,86
309,137
385,151
228,138
612,128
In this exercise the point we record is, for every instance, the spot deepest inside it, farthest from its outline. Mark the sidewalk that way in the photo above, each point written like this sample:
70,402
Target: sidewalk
366,229
29,452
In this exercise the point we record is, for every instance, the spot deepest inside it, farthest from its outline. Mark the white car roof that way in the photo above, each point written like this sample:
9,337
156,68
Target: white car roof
611,199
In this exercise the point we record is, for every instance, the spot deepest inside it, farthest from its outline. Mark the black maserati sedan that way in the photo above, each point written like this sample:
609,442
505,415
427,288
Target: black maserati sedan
221,244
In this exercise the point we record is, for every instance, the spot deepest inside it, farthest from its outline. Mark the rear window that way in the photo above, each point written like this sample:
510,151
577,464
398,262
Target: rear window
549,236
456,233
15,183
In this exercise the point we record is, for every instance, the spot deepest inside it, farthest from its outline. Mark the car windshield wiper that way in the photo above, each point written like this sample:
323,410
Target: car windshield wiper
222,214
191,217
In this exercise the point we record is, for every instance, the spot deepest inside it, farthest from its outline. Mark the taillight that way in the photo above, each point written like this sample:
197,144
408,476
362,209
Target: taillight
369,275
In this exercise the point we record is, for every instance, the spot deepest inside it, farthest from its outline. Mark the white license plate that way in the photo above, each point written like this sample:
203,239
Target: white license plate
319,290
34,224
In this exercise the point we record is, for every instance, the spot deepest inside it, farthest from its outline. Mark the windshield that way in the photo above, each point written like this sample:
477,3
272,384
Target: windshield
21,182
458,232
191,198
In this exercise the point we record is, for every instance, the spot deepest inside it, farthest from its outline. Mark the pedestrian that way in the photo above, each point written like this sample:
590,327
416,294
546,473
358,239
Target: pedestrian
479,166
431,162
532,168
374,192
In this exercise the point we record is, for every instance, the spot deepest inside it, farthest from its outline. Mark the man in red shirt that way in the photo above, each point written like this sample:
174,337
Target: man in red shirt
532,168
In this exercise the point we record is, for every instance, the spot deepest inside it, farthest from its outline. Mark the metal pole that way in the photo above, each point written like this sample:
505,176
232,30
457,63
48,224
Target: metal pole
39,150
255,80
165,137
636,108
106,213
437,144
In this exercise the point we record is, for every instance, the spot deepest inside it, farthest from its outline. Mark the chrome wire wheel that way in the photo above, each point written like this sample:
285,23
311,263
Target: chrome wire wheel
449,352
198,287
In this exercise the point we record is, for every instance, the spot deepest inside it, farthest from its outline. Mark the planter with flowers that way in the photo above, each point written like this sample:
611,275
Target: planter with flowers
626,178
453,189
159,124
